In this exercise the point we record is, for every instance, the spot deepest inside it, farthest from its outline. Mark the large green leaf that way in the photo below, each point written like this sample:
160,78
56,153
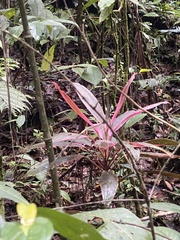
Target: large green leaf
17,31
42,229
88,72
37,28
70,227
38,9
91,74
7,191
12,231
165,206
166,232
115,224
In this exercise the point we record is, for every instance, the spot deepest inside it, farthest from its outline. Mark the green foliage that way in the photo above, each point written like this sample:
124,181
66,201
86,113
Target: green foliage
37,134
69,226
164,206
88,72
45,225
106,8
7,191
118,223
42,23
114,223
134,120
159,19
18,100
49,55
43,167
42,229
10,64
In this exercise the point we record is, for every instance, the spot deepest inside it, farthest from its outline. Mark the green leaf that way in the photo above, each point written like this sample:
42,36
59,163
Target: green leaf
49,55
10,12
17,31
134,120
115,224
42,229
165,206
4,23
88,72
166,232
65,195
105,13
163,142
20,120
105,4
103,62
52,22
36,29
2,221
12,231
38,9
91,74
89,3
79,70
8,192
70,227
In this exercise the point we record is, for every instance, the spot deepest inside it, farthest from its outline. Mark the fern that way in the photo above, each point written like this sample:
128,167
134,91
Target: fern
18,100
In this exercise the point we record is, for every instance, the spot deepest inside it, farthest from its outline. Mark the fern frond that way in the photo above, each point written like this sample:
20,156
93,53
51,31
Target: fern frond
19,101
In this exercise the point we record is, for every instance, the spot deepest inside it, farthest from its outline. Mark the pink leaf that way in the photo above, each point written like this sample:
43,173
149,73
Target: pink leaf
72,104
77,109
105,144
148,145
122,119
122,97
90,102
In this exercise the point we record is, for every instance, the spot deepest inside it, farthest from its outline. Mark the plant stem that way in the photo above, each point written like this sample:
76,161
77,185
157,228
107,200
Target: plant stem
40,105
2,210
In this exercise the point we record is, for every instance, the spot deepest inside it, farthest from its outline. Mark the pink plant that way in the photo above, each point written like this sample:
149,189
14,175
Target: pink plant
103,127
